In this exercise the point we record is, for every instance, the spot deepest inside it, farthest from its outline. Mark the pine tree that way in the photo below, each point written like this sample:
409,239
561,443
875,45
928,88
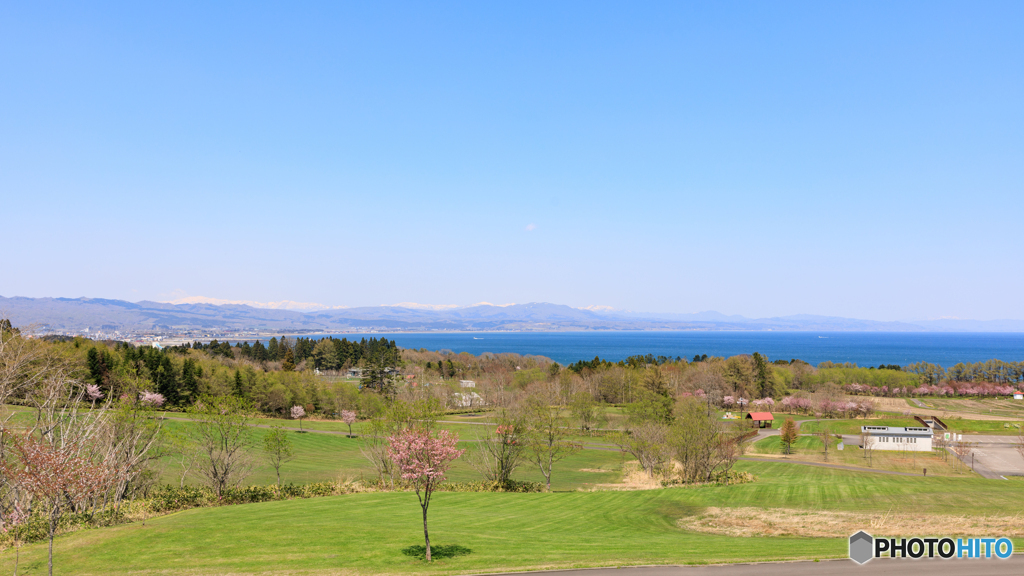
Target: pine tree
189,379
239,390
167,382
289,361
273,350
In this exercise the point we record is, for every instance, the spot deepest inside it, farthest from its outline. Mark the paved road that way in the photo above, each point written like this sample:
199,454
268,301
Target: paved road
1013,566
826,465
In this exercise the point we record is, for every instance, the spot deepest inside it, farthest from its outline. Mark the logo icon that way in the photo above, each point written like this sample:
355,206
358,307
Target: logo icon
861,547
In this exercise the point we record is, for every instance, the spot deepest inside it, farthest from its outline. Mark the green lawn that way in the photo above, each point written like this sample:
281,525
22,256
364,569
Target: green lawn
331,456
365,533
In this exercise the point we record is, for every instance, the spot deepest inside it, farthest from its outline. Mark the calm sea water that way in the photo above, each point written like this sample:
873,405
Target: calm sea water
864,348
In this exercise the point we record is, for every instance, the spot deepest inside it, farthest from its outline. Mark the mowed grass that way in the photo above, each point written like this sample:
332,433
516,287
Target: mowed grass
366,533
320,457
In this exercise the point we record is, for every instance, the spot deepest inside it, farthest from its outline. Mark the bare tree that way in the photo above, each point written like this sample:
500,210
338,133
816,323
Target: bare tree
867,444
548,436
825,436
500,450
647,442
222,431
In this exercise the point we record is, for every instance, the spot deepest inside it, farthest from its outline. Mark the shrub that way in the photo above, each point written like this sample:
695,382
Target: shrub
510,485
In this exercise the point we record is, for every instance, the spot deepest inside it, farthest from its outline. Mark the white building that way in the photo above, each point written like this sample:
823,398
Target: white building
897,438
1018,395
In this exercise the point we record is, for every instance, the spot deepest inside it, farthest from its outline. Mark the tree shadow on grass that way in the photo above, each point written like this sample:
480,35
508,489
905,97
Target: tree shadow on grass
437,551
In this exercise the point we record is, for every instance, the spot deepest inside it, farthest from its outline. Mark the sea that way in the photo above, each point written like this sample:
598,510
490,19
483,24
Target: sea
862,348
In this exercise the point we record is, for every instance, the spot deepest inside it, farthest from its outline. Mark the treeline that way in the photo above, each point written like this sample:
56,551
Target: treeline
327,353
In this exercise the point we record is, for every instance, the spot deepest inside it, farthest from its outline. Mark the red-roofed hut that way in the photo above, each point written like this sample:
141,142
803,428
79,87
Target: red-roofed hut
762,419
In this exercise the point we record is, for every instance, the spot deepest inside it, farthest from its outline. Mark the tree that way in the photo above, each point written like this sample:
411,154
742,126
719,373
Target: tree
423,459
548,437
57,477
189,379
238,389
763,376
501,450
867,444
788,435
348,417
584,410
11,522
651,407
699,443
647,442
220,428
325,355
288,364
298,413
825,436
278,448
554,369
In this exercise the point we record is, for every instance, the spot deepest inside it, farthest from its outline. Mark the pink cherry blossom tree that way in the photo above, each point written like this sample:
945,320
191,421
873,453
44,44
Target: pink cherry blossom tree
153,399
348,417
423,459
298,413
57,477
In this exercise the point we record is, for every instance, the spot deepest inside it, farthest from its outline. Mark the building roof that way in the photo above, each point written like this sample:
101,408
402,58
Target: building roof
905,430
760,416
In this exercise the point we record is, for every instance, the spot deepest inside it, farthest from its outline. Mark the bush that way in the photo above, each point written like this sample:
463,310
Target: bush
515,486
726,478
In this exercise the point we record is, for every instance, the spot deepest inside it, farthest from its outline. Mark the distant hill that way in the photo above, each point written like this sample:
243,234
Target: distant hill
77,314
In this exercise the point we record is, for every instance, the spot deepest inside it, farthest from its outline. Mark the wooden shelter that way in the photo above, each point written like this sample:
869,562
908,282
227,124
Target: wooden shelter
762,419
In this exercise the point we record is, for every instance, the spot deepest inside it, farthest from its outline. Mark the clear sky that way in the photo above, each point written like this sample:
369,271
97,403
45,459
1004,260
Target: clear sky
862,159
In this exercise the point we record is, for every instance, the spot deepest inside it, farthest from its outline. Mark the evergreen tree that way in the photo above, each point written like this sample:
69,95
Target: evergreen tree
763,376
289,361
239,388
167,382
259,352
190,379
273,350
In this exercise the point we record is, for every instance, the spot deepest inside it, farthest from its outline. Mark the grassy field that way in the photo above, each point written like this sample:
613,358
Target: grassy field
366,533
332,456
809,449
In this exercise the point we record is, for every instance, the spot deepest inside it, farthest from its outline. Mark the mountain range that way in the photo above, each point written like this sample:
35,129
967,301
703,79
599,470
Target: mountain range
96,314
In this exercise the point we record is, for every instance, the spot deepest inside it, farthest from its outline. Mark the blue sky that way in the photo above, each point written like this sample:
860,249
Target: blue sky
858,159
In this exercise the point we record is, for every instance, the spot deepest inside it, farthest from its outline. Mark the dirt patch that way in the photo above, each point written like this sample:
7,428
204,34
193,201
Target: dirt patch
597,470
759,522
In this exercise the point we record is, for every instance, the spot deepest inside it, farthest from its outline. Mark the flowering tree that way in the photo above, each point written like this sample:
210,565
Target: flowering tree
56,476
348,417
298,413
10,521
93,393
422,459
153,399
